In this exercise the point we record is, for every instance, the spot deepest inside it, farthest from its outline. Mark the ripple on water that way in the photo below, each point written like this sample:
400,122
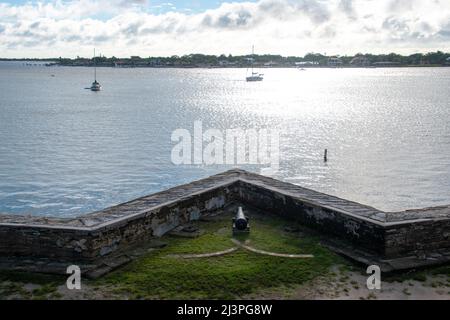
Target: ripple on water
65,151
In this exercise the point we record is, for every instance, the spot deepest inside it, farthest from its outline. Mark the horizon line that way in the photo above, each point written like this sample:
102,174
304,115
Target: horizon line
236,55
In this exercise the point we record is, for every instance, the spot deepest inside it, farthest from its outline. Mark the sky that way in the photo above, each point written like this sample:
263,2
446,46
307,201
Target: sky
122,28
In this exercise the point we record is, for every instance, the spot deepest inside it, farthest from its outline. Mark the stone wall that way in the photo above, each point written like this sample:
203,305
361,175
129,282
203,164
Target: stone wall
393,240
45,241
87,245
418,238
327,220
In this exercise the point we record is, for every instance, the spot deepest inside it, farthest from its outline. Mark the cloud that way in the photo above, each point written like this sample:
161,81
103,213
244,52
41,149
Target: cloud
230,20
402,5
445,31
127,3
347,7
291,9
132,29
289,27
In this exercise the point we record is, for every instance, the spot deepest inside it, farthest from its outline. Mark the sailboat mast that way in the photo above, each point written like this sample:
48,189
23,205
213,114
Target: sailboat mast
253,56
95,67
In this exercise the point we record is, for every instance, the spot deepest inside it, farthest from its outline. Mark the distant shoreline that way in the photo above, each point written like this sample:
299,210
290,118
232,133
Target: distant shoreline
310,60
52,64
260,67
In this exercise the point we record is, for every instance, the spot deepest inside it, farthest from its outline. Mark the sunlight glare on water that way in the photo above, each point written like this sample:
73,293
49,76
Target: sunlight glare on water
66,151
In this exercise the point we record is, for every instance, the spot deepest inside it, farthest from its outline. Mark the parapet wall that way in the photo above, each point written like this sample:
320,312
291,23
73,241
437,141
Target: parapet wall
322,217
392,240
89,239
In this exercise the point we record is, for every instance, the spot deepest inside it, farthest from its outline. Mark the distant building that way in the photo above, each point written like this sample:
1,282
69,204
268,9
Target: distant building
334,62
223,63
119,64
82,62
306,63
270,64
360,61
226,63
386,64
155,62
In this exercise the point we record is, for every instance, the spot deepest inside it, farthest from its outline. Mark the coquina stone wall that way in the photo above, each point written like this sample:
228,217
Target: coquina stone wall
328,220
393,240
419,238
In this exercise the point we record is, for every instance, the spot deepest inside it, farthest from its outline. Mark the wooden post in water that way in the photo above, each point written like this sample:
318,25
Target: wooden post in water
325,156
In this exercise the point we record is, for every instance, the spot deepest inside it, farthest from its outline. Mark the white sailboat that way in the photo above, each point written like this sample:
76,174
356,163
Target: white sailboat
96,86
255,76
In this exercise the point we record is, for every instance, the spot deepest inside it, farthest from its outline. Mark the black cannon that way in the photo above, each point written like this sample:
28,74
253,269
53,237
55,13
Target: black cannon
240,222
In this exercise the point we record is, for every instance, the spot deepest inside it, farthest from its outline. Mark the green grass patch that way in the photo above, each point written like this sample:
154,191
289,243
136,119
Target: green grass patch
226,277
157,275
12,285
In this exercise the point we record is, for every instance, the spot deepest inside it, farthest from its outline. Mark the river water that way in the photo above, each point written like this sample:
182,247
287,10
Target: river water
66,151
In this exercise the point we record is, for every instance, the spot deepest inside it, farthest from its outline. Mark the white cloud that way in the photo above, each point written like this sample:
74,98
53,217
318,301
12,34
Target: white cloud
288,27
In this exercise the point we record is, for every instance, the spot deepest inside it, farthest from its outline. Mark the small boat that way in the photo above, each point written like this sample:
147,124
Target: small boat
256,76
96,86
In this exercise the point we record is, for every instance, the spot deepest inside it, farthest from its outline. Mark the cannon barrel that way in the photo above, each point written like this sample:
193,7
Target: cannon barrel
240,221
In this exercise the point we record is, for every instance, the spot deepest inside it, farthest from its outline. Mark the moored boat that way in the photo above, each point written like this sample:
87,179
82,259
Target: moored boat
96,86
255,76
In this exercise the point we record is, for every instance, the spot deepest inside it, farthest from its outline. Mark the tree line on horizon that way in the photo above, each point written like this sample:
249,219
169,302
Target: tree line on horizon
431,58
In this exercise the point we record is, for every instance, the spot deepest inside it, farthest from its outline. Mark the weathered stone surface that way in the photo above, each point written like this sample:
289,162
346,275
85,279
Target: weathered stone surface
420,237
187,231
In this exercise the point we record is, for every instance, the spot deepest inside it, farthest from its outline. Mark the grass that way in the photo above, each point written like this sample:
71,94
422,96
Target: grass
227,277
12,285
157,275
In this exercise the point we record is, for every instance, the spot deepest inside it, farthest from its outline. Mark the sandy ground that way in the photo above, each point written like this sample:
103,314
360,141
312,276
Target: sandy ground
355,288
351,285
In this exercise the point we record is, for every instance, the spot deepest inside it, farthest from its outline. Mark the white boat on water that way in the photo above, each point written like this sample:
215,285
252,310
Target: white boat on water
96,86
255,76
